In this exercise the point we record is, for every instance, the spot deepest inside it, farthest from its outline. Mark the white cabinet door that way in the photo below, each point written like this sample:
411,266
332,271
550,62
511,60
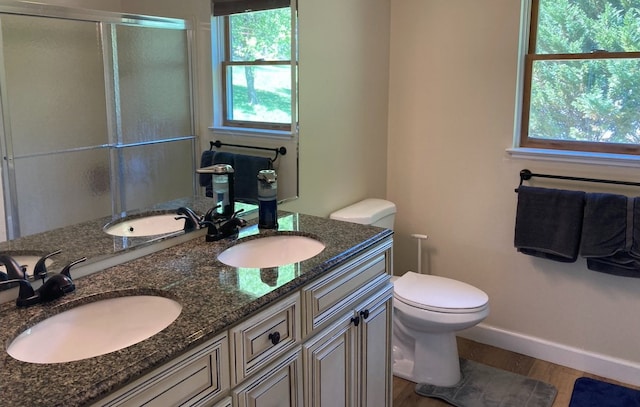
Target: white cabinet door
375,354
348,364
279,385
330,366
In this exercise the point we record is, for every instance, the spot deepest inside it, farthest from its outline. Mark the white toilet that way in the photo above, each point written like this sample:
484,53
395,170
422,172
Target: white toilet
427,310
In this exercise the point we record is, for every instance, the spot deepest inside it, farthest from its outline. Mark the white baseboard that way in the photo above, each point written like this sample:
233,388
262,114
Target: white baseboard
602,365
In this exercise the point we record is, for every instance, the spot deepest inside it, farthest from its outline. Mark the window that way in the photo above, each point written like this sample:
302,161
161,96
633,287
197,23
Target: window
256,74
582,76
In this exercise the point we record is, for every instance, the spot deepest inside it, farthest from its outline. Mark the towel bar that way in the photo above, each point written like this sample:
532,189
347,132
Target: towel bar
526,175
279,151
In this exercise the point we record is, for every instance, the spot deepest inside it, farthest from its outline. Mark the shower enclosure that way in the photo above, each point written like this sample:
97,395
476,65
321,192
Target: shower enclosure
96,114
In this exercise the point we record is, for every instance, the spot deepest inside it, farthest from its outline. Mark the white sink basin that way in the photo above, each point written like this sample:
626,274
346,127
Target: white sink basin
94,329
146,226
271,251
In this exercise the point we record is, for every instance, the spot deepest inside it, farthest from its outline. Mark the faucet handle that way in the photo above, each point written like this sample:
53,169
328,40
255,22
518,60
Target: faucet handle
67,269
60,284
40,269
191,219
14,270
235,214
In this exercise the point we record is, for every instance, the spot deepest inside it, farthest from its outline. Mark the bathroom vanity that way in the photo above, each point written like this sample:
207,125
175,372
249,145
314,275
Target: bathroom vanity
312,333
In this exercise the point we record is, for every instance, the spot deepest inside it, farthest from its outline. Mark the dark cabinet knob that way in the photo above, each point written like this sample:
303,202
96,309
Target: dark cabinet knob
356,320
364,314
274,337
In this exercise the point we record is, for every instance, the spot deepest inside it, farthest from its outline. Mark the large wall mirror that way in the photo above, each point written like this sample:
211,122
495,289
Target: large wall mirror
99,116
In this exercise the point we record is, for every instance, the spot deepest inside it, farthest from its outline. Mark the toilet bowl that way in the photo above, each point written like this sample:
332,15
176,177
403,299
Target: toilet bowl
427,310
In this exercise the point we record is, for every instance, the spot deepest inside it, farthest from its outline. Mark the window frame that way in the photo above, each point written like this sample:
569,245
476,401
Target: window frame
226,96
530,57
221,61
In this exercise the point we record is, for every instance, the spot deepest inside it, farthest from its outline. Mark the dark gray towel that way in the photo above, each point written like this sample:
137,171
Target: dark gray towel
549,223
607,226
246,176
611,234
617,265
224,158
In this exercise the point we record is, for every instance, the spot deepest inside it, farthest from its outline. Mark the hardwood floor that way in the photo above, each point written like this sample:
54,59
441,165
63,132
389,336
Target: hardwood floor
559,376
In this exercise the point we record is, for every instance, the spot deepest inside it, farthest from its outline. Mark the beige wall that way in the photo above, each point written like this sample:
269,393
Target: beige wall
451,115
344,49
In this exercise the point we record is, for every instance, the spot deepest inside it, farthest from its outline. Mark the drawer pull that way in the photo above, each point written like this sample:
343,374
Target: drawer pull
356,320
364,314
275,337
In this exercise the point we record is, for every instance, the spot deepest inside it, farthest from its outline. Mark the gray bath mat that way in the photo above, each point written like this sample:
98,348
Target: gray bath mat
485,386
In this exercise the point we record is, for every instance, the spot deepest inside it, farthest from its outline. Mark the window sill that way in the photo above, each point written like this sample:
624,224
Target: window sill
247,132
579,157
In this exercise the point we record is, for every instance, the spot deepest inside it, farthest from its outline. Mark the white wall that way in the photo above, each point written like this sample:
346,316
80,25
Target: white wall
451,115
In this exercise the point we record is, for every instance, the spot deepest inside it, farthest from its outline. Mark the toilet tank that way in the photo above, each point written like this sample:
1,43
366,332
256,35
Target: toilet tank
372,211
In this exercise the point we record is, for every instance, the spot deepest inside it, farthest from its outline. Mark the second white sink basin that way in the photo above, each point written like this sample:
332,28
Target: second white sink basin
146,226
271,251
94,329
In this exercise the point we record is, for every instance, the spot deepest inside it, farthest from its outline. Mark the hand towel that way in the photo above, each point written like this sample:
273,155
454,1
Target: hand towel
224,158
628,267
608,225
611,234
635,244
246,176
549,223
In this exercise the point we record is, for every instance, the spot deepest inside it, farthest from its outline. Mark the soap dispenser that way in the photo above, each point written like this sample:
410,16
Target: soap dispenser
223,190
267,199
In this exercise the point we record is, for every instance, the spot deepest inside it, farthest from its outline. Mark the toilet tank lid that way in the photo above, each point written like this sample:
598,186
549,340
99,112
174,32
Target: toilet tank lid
365,212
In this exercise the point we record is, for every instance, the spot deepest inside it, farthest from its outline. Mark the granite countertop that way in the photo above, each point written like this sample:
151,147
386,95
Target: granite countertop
213,296
87,239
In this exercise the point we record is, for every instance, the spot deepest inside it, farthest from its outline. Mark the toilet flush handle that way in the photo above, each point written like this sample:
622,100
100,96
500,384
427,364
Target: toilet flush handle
420,238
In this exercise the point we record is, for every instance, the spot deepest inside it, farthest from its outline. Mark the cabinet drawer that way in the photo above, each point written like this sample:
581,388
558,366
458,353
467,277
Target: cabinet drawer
198,377
326,298
264,337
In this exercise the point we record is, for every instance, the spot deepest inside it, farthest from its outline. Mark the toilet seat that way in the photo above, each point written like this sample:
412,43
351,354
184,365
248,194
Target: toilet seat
439,294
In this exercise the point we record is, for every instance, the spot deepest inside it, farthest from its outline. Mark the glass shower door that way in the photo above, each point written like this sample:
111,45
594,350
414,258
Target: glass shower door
155,126
96,115
56,132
